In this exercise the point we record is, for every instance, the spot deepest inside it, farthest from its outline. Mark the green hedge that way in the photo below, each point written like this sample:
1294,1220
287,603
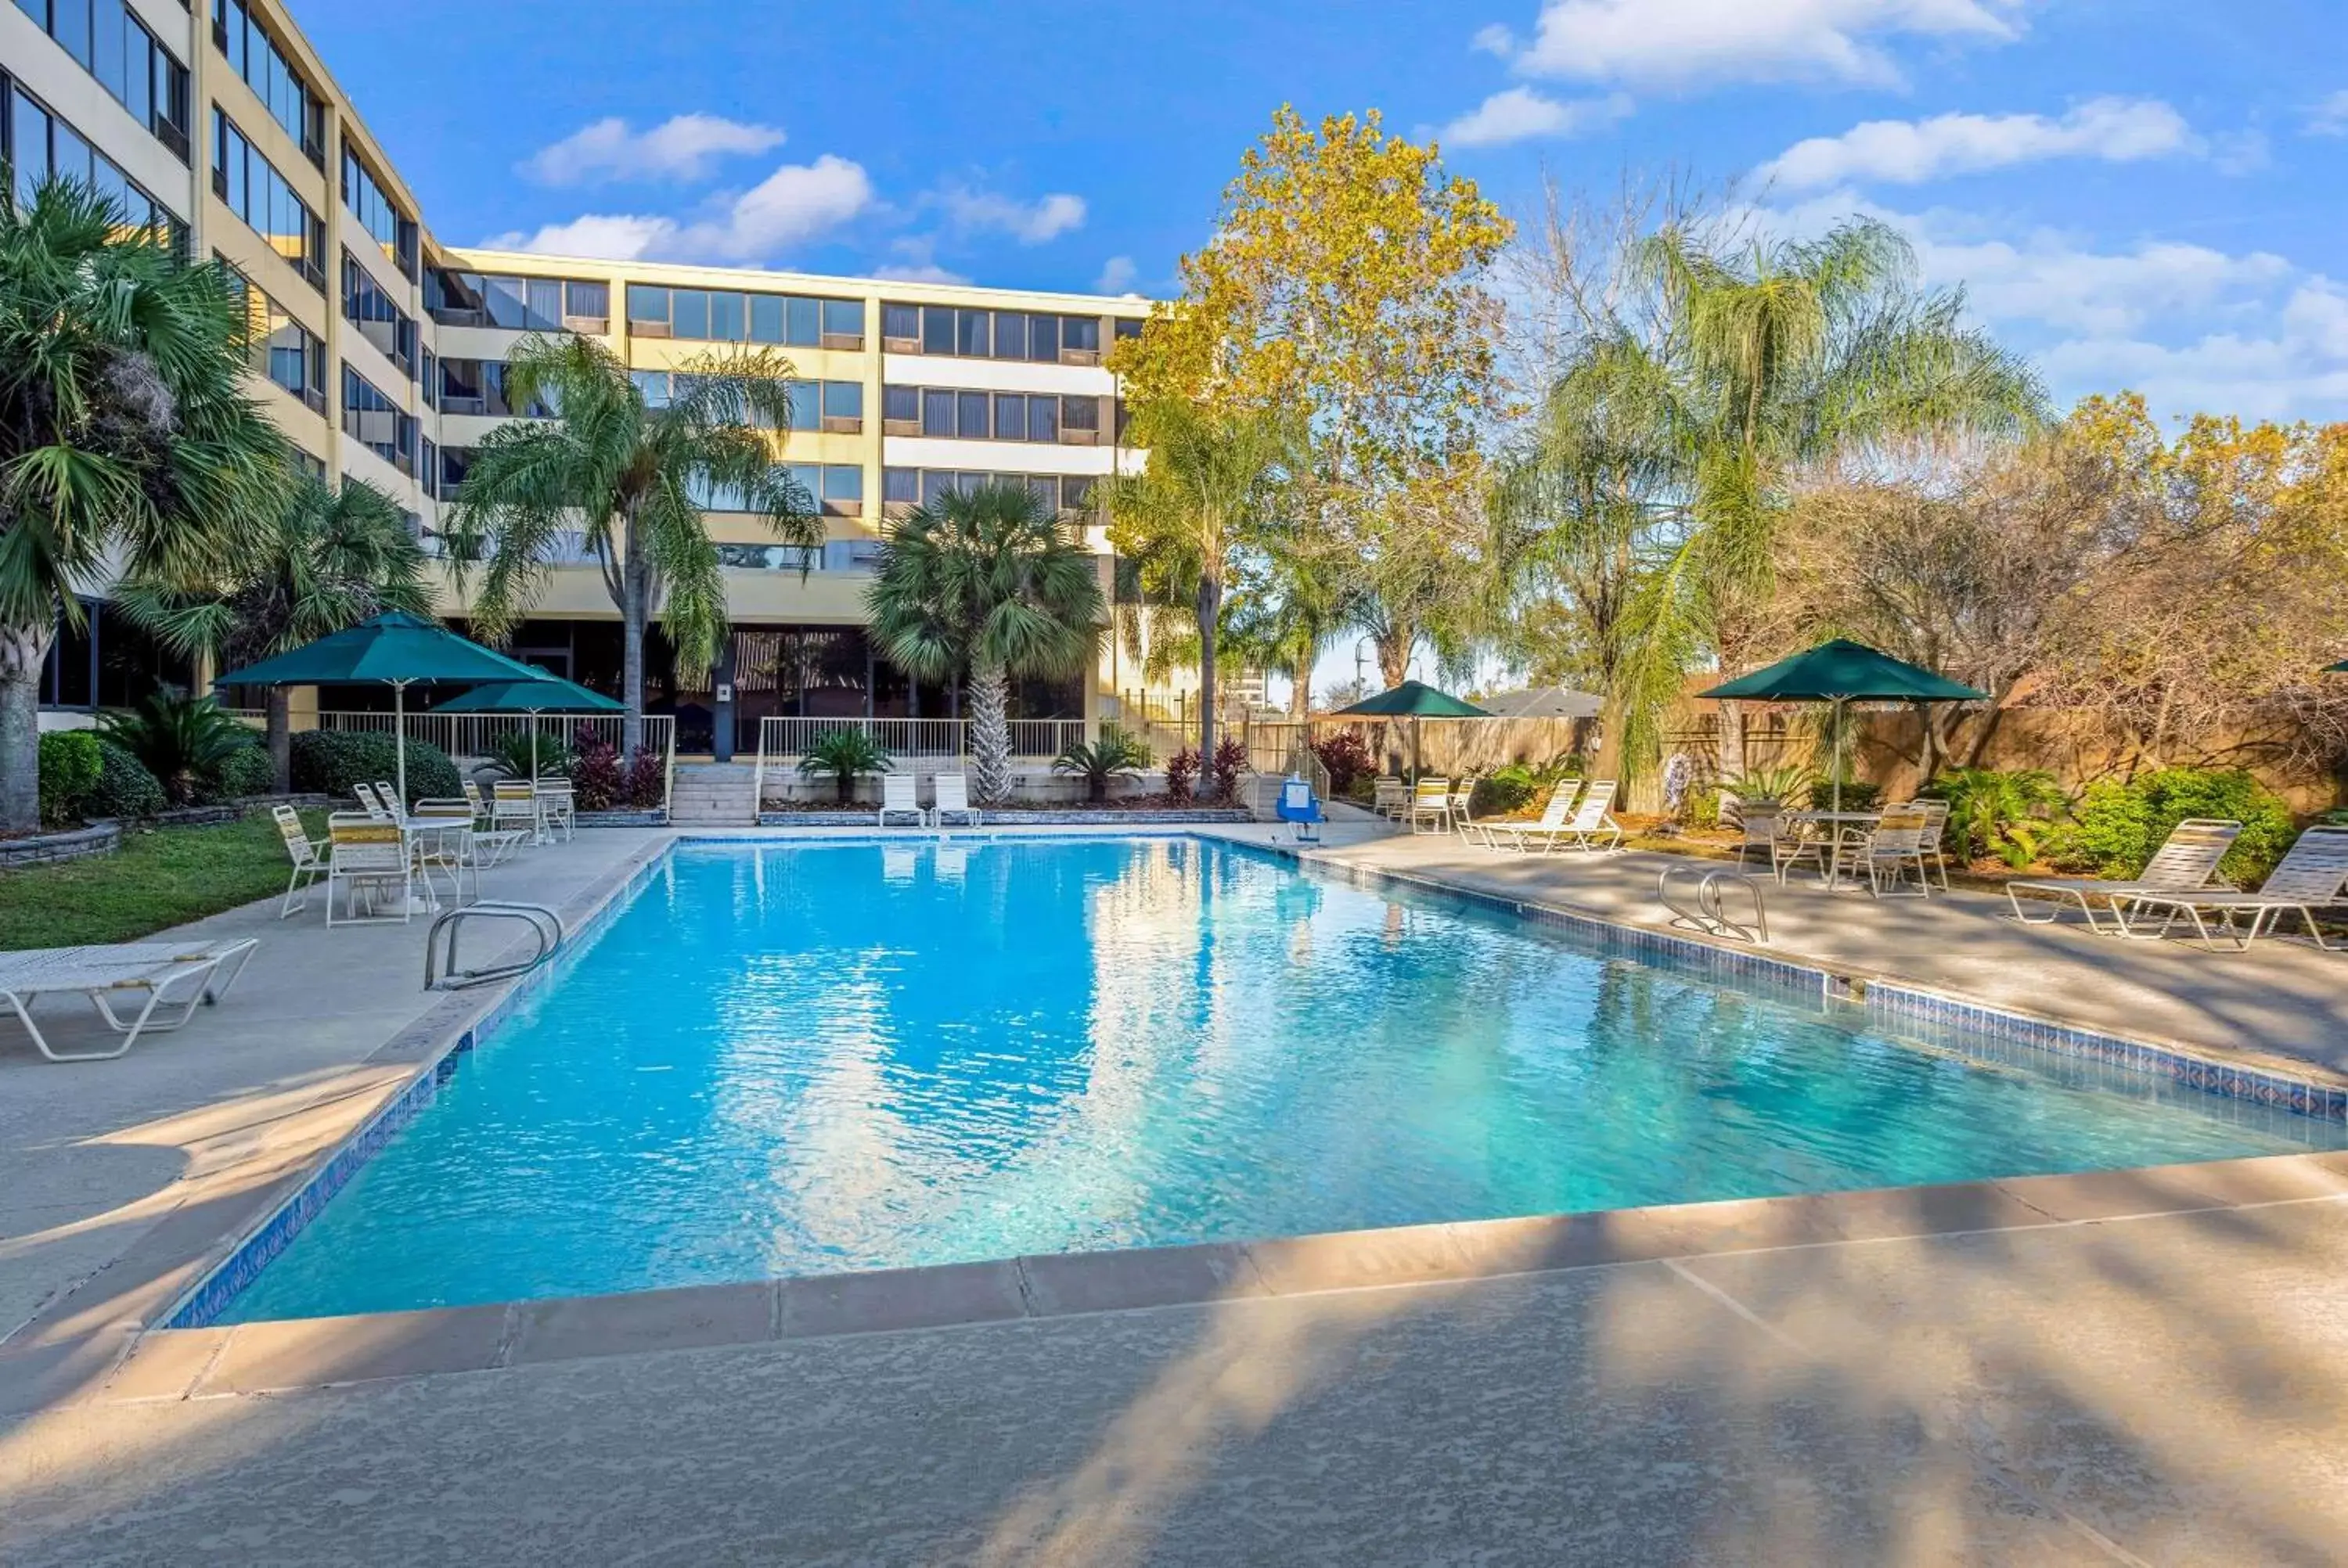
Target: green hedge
2116,827
332,762
1502,791
246,772
70,769
124,788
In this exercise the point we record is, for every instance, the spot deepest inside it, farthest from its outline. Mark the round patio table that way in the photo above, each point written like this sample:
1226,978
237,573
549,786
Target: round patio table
1840,826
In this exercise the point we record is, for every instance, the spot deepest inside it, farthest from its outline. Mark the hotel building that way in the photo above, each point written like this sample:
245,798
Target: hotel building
382,352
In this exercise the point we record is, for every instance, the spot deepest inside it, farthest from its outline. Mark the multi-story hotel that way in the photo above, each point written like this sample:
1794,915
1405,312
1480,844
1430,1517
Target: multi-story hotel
381,354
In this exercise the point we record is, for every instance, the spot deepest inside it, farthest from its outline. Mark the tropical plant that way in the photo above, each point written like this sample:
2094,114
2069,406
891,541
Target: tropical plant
1346,757
335,762
1215,485
645,783
1114,752
182,739
987,581
328,558
843,755
597,779
128,441
69,768
636,479
521,754
1230,762
2118,826
2006,812
1181,775
125,789
1502,791
1788,785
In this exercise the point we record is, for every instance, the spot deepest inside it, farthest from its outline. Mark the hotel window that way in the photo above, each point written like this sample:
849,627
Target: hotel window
1080,416
1010,417
1043,419
688,313
900,405
462,389
258,194
377,423
807,404
973,333
843,489
843,406
937,330
1077,493
971,414
1129,326
765,318
900,324
501,403
367,307
106,39
428,378
378,214
254,55
843,323
937,412
1080,334
647,310
901,486
38,144
653,386
587,307
1010,335
281,348
1044,339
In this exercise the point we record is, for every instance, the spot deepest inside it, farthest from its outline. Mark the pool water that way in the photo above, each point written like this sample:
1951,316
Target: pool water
793,1059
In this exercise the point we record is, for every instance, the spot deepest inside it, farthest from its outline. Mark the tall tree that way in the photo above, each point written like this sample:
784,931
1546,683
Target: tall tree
637,478
126,440
1345,287
987,582
1285,608
1216,486
327,559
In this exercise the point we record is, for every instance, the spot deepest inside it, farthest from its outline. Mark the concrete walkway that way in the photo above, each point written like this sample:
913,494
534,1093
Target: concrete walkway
2098,1370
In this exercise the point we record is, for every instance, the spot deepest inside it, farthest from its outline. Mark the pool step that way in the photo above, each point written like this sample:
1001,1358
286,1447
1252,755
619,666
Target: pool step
712,795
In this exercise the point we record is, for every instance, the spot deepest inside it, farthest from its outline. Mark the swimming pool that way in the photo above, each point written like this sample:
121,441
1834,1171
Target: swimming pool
786,1059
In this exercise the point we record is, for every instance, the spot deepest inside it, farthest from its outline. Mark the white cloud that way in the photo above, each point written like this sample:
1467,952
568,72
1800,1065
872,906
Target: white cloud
917,272
1682,44
1908,152
1029,222
1518,114
793,204
1116,275
685,147
1494,38
2330,117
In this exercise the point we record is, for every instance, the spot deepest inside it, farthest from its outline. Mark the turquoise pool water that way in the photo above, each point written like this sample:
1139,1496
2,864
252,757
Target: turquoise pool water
790,1059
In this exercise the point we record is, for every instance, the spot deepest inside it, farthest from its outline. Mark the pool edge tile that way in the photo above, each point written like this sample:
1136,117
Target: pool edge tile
880,1300
698,1317
314,1352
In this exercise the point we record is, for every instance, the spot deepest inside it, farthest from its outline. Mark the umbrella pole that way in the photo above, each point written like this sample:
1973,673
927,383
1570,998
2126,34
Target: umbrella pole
399,741
1837,753
533,752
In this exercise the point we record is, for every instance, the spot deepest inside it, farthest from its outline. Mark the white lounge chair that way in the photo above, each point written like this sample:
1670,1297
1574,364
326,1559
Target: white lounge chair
953,800
1496,832
178,975
2310,877
1430,802
1590,822
309,863
2187,863
388,792
371,803
367,859
897,800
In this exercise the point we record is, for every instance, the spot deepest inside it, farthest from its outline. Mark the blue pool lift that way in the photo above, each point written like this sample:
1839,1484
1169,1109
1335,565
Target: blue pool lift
1300,808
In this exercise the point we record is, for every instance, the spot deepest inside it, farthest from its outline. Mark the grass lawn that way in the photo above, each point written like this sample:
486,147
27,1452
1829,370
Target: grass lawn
156,879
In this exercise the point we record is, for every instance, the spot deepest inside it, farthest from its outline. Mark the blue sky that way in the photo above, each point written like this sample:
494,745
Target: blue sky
2140,192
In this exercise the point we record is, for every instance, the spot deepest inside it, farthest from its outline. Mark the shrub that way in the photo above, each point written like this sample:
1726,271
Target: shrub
1230,762
2118,827
511,755
646,781
69,768
843,753
1561,767
182,741
125,788
335,762
1114,752
245,771
2006,813
596,779
1347,757
1504,790
1181,775
1787,785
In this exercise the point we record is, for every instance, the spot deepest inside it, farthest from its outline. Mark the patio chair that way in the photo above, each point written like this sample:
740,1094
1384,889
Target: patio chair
897,800
515,807
451,848
2186,863
367,859
179,975
1500,833
1430,802
388,792
1894,849
2310,877
372,803
309,864
1590,822
1759,825
557,807
1388,796
1936,827
953,794
1463,794
492,844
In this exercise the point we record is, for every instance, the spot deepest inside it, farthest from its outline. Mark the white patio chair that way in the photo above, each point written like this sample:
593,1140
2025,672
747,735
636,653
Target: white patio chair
1589,822
179,975
515,807
367,860
1759,822
388,792
1894,849
2187,863
1502,833
897,800
372,803
1388,796
1430,803
1463,794
309,863
952,796
2310,877
558,808
492,844
450,848
1936,828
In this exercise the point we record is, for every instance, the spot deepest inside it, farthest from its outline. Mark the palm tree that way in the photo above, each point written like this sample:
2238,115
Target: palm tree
1214,485
636,479
126,440
988,581
1285,608
331,558
1777,354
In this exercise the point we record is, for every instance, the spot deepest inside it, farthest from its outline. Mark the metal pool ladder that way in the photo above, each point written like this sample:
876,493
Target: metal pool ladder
441,972
1707,913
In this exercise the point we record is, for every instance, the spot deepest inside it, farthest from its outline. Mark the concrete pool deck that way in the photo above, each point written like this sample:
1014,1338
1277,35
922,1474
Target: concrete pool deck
2140,1367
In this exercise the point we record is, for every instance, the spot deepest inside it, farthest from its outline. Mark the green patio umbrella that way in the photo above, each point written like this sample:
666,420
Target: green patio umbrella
547,694
1840,673
1413,699
394,649
2339,669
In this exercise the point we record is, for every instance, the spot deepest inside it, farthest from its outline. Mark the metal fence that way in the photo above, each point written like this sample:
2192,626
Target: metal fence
916,745
479,735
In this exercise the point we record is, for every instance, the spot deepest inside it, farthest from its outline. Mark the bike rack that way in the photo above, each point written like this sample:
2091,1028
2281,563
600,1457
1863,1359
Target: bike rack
441,971
1707,913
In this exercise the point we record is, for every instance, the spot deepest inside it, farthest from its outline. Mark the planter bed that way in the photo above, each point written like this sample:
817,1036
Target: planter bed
67,844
